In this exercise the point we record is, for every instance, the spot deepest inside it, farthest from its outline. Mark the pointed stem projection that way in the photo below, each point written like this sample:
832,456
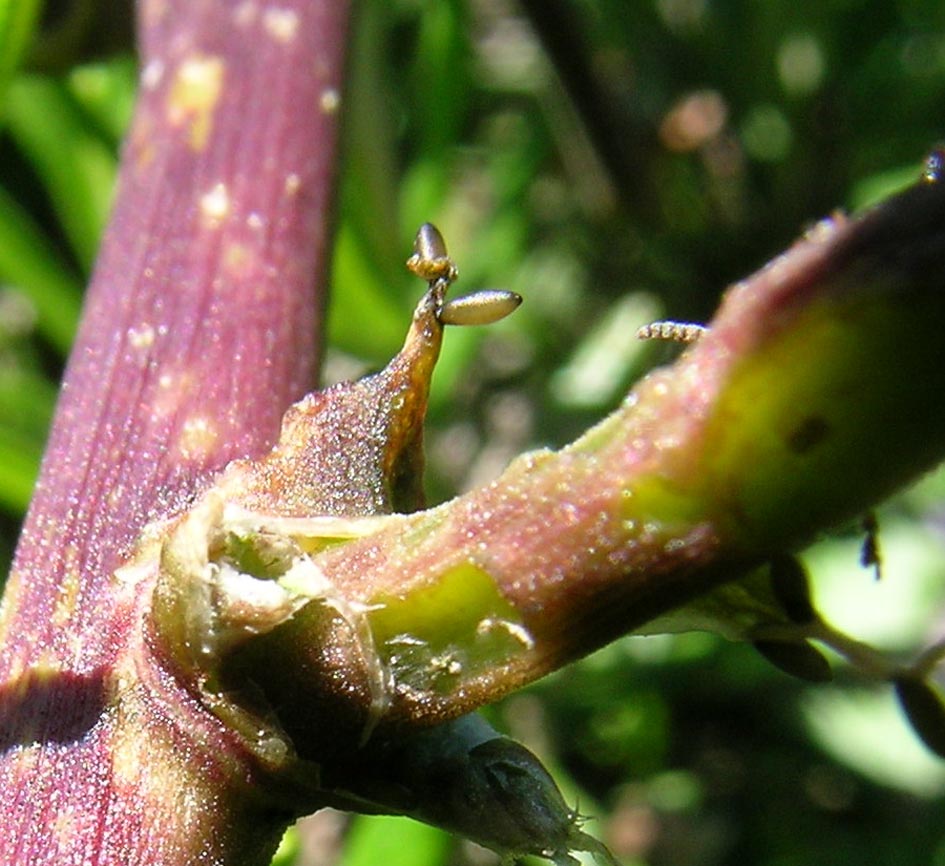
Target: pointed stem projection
199,329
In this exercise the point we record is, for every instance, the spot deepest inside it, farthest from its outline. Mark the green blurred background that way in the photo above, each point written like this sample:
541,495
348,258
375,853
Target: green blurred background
614,162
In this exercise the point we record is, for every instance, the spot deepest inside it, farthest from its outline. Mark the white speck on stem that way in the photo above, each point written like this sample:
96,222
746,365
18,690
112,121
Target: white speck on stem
215,205
203,73
518,632
281,24
141,337
197,437
152,74
245,13
330,100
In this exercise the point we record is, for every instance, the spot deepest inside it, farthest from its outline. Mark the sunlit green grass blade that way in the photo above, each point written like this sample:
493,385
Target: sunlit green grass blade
18,20
364,318
26,405
288,849
394,841
19,463
77,167
440,84
28,262
26,402
106,93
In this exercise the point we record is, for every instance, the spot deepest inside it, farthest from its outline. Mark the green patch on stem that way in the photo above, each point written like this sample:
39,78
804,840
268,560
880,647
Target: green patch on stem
808,417
448,631
250,555
654,505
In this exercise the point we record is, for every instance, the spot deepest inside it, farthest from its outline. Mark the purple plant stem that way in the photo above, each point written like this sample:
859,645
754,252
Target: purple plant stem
200,328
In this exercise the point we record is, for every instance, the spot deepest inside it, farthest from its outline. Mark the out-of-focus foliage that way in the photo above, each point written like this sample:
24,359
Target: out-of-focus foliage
59,135
614,162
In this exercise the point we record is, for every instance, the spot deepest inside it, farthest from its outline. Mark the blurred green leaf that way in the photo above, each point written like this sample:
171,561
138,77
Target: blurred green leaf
865,730
288,848
19,464
394,842
77,167
106,93
363,319
29,262
873,189
923,706
440,75
18,22
597,373
26,403
896,612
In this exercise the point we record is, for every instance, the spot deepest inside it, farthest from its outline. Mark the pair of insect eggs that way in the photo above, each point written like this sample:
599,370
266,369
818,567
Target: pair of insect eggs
431,262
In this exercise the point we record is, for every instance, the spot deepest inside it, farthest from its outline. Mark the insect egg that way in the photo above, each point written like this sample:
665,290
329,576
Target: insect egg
429,243
430,260
479,308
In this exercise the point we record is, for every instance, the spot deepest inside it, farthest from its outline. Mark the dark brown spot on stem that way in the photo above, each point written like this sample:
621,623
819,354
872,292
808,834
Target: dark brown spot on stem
809,433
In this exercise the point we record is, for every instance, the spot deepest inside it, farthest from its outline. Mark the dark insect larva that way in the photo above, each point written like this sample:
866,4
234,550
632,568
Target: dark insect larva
677,332
479,308
870,554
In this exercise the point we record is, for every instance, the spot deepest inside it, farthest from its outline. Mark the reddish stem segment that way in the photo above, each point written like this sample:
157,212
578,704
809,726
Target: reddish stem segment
199,330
